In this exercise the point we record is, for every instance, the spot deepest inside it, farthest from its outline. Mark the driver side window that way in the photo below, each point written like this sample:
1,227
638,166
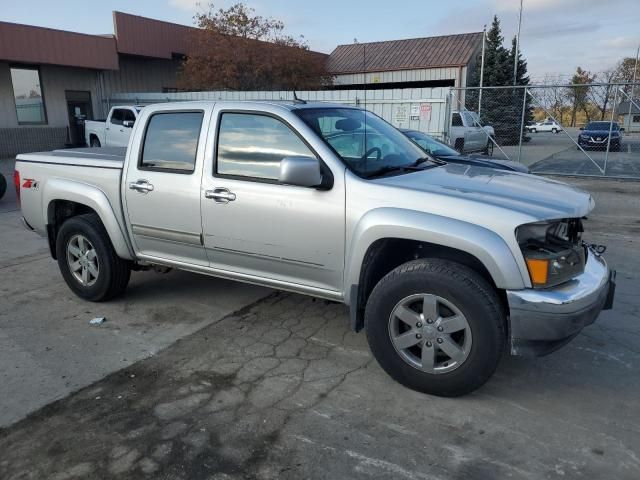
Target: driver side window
253,145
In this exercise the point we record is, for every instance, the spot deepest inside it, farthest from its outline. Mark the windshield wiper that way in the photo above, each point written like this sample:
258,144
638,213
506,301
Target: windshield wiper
394,168
422,160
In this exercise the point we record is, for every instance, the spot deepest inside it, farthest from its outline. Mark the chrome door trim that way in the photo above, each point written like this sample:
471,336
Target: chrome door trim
246,278
141,186
220,195
168,235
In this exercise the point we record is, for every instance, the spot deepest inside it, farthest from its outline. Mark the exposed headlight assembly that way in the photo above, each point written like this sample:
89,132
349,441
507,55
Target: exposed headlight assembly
553,251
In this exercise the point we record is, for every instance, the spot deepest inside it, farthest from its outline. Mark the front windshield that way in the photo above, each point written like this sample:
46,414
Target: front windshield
365,142
431,145
601,126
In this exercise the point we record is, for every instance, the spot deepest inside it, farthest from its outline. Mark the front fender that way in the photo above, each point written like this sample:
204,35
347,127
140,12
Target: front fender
488,247
94,198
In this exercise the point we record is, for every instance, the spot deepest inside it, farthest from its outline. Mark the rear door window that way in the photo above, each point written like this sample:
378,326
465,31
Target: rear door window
171,142
456,120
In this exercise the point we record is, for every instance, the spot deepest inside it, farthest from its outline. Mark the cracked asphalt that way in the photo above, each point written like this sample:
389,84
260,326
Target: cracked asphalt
281,389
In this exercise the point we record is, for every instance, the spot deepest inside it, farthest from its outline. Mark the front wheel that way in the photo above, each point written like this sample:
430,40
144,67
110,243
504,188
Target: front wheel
436,326
87,260
489,148
554,130
95,143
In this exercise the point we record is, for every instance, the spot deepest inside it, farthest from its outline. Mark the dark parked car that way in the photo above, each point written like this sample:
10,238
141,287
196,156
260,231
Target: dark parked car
442,151
596,135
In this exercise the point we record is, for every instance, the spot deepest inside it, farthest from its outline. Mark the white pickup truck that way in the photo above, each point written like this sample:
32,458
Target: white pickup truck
467,135
444,265
115,130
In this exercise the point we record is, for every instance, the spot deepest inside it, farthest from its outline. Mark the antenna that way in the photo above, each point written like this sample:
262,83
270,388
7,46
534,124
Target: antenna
298,100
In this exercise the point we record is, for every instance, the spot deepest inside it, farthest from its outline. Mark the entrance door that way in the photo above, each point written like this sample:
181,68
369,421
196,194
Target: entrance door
79,109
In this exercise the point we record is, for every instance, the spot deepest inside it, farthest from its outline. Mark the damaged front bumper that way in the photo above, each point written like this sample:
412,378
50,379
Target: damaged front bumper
543,320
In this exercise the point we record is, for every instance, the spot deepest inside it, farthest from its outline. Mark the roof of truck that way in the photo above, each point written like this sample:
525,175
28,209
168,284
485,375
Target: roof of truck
286,104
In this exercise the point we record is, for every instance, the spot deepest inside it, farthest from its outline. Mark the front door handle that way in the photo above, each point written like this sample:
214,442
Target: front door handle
141,186
220,195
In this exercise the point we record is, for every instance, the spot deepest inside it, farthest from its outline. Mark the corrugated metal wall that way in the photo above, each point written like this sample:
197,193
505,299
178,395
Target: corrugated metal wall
31,139
423,109
422,75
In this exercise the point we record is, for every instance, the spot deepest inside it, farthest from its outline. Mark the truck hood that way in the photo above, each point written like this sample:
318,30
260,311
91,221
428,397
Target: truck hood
538,197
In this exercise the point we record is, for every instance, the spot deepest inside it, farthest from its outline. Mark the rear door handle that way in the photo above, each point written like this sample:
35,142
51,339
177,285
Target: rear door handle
220,195
141,186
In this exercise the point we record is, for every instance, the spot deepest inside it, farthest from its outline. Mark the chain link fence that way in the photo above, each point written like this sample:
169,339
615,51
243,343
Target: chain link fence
585,130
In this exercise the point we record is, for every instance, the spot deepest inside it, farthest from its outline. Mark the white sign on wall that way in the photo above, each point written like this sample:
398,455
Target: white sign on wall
415,112
401,114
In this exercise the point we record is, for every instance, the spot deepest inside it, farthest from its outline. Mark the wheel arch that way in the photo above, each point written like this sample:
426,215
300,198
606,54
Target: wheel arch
387,238
63,199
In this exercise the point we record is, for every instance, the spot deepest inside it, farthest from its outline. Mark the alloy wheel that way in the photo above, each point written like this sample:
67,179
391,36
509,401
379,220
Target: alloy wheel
83,260
430,333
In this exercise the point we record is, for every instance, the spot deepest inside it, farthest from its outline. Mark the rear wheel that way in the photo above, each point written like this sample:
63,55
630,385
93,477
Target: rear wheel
87,260
554,130
95,143
436,326
533,130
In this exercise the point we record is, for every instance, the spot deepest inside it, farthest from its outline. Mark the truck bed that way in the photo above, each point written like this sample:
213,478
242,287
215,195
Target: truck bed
107,157
69,174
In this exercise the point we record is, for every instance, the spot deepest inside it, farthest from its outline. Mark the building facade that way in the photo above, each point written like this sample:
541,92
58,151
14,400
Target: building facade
431,62
52,80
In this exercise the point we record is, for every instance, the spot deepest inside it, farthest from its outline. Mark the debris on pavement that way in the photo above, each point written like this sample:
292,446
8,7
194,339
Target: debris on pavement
97,321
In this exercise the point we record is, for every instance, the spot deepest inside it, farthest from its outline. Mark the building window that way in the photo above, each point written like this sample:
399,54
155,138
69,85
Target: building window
636,119
27,92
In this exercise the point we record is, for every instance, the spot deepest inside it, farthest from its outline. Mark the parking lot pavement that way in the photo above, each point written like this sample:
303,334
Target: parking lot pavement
283,389
47,347
549,153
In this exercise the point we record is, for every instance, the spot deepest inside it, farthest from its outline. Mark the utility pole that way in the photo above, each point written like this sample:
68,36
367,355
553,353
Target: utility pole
515,59
484,41
631,99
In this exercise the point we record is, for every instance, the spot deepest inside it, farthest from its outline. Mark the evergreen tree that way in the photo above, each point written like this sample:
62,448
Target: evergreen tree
501,108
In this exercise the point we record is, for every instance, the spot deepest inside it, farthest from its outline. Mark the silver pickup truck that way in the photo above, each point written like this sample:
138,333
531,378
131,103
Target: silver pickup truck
445,266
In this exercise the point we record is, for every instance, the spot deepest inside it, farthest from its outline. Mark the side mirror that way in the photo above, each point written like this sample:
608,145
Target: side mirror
622,129
128,123
300,171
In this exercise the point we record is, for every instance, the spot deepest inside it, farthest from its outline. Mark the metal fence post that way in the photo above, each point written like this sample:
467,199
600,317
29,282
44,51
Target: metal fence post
524,109
613,111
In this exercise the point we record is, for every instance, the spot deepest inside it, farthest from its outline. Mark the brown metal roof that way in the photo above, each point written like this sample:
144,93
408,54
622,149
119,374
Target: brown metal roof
29,44
150,38
430,52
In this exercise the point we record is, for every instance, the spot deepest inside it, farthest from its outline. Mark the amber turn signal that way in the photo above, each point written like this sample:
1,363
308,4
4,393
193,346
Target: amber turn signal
538,270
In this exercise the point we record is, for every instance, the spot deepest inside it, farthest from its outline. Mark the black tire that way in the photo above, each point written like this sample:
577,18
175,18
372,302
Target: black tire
554,130
533,130
615,148
489,148
459,145
473,297
94,142
3,185
114,272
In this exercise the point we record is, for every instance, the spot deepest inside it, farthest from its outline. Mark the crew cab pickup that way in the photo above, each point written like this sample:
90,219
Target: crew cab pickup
467,135
444,265
114,131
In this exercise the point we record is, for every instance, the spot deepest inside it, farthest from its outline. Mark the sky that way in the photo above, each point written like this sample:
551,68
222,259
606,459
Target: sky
557,35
